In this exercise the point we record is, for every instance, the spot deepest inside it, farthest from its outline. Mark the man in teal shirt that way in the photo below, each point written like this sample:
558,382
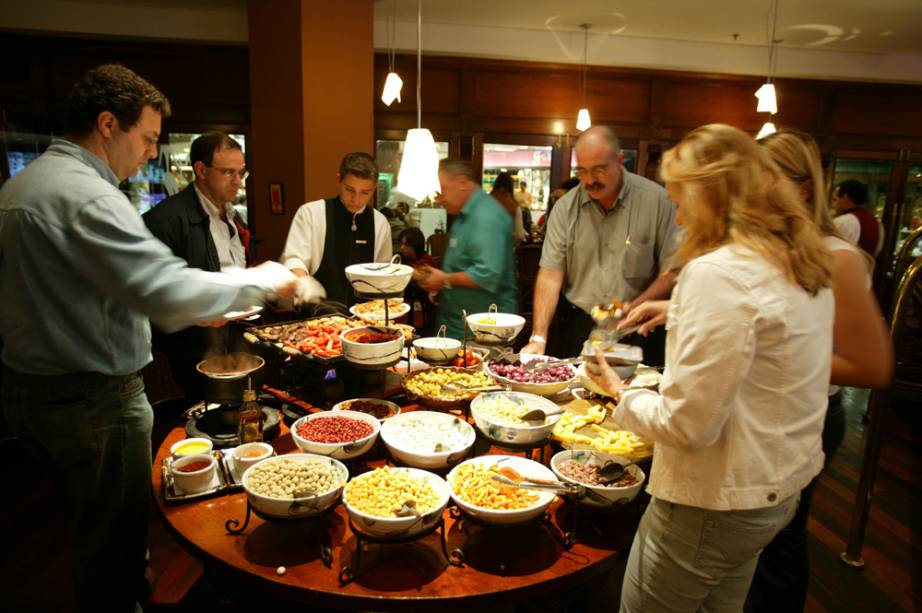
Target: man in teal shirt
479,268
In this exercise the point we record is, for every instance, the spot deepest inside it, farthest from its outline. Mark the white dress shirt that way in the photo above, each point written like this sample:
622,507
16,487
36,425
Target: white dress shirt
304,247
748,357
224,234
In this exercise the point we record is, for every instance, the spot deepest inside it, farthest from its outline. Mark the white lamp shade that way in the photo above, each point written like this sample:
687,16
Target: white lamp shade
582,120
419,169
768,103
767,128
392,86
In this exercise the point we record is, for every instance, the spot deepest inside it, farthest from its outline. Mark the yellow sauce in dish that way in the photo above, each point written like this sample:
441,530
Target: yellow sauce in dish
192,448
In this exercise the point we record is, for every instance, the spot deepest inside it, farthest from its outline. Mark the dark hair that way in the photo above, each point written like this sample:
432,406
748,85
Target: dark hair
569,183
456,168
856,191
113,88
358,164
504,181
203,148
388,213
414,238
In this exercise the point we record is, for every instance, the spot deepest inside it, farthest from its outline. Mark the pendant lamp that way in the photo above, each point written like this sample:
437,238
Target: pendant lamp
766,95
767,128
419,168
582,118
393,82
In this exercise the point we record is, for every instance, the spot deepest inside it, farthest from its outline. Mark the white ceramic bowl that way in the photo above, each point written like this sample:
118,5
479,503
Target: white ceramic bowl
379,278
372,354
528,469
347,405
195,481
340,451
250,453
506,327
607,496
392,314
293,508
191,446
417,455
436,349
516,435
399,527
542,389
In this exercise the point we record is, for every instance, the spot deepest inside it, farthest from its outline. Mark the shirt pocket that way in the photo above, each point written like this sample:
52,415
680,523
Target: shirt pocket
638,265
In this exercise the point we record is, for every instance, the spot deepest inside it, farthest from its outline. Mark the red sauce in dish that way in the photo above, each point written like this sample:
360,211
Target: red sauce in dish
191,467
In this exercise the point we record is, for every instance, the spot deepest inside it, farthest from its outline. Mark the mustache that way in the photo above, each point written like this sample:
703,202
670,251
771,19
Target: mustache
595,185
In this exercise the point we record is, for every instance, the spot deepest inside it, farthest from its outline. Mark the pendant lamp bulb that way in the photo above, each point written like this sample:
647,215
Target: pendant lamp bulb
767,128
393,83
766,94
582,118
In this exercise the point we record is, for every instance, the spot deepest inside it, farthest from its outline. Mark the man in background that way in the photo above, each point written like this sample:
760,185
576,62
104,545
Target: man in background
854,221
479,267
201,226
328,235
81,276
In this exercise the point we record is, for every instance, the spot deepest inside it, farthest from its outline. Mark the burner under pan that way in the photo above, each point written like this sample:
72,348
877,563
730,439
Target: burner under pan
218,423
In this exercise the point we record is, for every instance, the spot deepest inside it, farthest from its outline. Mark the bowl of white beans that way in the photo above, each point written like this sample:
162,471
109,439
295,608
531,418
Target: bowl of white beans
395,502
294,485
428,439
582,466
497,415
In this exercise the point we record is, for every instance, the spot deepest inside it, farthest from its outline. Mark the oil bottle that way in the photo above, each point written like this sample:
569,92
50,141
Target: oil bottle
250,420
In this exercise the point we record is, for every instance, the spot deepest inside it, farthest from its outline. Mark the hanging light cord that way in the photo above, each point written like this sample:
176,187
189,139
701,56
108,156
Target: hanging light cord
392,37
419,64
584,69
772,41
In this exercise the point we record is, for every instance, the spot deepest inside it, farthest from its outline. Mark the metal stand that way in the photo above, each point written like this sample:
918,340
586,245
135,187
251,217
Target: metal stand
349,573
234,528
507,536
526,449
583,516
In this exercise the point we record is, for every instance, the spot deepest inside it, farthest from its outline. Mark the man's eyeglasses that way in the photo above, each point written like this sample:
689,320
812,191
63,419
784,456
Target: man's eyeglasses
230,173
597,171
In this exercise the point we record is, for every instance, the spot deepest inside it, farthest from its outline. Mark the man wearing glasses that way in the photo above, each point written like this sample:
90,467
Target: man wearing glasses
611,238
199,225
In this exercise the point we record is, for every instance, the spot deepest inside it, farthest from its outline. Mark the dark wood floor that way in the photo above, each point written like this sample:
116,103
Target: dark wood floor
34,561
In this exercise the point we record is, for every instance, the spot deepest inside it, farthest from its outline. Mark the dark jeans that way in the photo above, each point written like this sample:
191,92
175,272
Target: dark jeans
94,431
783,572
576,325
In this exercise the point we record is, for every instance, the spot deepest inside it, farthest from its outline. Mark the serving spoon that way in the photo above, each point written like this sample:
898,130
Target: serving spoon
540,415
612,472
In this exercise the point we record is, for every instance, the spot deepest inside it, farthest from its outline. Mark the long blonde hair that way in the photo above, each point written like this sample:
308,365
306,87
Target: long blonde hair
798,156
735,193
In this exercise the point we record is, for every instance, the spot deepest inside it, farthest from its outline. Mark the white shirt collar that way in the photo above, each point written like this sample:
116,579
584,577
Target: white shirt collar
211,209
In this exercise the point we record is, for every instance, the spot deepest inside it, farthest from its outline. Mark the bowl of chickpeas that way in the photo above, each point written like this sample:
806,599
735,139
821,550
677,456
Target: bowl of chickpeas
498,416
428,386
478,495
294,485
395,502
582,466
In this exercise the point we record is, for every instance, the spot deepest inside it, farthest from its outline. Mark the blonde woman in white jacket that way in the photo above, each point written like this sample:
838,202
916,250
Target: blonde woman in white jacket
738,418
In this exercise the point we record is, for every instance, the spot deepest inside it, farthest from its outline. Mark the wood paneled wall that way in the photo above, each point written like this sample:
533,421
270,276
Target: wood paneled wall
477,96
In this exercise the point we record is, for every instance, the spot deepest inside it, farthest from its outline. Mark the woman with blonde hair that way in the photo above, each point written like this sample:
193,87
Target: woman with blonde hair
738,418
862,356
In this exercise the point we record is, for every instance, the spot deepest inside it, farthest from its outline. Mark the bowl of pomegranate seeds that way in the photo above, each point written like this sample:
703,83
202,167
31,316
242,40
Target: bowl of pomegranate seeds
342,435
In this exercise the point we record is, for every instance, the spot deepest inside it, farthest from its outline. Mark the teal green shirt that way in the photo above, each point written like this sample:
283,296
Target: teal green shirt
480,244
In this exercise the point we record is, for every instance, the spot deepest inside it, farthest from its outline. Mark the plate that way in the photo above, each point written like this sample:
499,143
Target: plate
395,313
248,313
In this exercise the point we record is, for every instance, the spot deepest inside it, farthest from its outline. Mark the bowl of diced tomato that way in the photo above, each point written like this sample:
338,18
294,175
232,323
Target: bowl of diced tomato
473,358
321,337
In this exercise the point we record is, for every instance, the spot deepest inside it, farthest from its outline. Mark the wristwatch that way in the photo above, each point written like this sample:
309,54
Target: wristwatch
537,338
447,284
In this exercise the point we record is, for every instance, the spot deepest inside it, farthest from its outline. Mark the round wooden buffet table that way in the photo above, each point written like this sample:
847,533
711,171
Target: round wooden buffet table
573,545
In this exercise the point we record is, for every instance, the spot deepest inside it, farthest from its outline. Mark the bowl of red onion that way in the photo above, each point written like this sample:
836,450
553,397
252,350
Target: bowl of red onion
511,370
341,435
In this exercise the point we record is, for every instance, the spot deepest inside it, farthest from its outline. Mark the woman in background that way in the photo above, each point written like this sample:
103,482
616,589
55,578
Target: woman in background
862,356
738,418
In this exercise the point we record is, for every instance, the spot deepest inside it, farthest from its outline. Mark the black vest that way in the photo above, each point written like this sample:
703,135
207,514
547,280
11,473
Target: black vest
343,247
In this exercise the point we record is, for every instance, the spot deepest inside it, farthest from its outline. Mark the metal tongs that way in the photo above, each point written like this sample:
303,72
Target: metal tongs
542,364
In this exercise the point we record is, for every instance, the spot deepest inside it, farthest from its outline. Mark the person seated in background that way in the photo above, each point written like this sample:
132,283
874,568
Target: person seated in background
740,409
328,235
403,212
862,356
412,250
200,225
854,221
502,192
479,265
396,223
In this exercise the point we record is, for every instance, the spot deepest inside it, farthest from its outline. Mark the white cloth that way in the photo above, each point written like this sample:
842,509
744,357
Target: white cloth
304,247
849,227
223,233
748,357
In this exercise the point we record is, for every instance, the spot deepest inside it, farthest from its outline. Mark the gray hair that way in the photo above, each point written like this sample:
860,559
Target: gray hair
606,134
457,168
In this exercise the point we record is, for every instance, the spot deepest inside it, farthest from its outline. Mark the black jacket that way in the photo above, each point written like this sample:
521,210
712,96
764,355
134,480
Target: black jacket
181,224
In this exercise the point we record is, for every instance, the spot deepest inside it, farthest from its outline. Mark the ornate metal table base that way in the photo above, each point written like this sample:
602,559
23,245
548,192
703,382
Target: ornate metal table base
233,527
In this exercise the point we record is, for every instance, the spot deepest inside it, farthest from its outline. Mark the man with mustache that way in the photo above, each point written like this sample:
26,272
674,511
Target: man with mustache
611,238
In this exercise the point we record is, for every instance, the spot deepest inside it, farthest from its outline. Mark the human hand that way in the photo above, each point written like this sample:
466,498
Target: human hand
434,280
280,277
308,290
536,347
649,314
434,298
607,378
